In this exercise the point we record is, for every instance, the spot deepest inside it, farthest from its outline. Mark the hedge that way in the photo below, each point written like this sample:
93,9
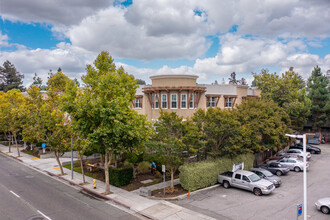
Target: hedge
202,174
120,176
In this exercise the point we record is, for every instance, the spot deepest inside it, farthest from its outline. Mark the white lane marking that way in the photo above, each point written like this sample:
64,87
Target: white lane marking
14,194
44,215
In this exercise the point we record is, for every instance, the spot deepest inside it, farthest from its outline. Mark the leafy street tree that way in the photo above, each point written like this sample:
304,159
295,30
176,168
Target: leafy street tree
286,91
57,123
102,110
16,102
169,137
221,130
262,125
5,109
319,93
10,78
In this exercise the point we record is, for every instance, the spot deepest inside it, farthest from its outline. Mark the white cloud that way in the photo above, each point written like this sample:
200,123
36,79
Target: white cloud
51,11
109,30
3,40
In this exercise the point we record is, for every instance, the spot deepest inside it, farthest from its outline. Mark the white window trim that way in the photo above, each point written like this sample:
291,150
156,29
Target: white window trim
138,101
155,97
231,103
185,101
193,101
176,100
165,101
210,101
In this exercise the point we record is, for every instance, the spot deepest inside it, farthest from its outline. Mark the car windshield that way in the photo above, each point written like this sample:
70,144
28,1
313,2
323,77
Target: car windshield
254,177
267,173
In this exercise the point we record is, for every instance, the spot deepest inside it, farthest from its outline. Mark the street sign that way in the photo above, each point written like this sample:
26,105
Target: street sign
299,209
163,168
43,145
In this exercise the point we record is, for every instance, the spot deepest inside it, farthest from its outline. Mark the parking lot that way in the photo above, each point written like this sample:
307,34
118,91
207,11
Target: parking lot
234,203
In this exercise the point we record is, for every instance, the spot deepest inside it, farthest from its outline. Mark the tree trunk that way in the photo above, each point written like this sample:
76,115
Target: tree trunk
8,138
18,152
57,155
172,178
134,170
107,161
82,167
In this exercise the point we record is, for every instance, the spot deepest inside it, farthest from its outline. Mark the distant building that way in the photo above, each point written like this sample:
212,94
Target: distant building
181,94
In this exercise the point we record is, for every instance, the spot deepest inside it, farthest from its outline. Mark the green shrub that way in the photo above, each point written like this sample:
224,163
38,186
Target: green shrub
143,167
202,174
120,176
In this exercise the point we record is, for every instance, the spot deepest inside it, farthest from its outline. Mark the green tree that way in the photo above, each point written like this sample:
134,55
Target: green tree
102,110
169,141
140,82
5,109
221,131
263,125
319,93
16,103
287,92
10,78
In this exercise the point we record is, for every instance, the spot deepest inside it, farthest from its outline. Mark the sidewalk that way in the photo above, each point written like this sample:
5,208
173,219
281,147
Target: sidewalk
153,209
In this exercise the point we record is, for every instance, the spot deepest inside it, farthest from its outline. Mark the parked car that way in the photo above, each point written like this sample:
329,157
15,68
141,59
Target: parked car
275,168
323,205
309,148
278,157
246,180
265,174
296,152
293,164
313,140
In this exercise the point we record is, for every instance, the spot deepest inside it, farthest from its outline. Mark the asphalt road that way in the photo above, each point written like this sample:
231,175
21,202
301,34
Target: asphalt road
234,203
30,195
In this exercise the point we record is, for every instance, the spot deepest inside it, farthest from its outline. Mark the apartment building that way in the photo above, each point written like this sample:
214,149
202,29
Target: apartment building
182,94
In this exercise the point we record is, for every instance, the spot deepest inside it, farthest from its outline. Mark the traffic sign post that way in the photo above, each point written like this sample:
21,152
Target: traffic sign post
163,170
299,210
43,145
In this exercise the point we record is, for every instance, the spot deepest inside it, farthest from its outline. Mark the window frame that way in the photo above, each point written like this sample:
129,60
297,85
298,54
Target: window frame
176,100
183,101
192,101
156,101
164,101
138,101
227,102
212,101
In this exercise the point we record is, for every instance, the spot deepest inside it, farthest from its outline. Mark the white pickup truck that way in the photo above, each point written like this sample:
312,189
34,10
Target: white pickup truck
246,180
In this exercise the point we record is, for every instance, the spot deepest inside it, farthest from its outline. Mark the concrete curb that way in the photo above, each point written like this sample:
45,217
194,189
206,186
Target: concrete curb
184,195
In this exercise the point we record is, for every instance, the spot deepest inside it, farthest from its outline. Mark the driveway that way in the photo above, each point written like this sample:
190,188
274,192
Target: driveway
234,203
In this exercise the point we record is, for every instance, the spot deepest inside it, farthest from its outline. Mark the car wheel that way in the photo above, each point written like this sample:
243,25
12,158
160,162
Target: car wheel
278,173
226,184
313,152
297,169
257,192
325,210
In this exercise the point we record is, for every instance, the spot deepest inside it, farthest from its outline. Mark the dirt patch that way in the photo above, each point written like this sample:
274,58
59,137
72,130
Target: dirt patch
136,183
177,191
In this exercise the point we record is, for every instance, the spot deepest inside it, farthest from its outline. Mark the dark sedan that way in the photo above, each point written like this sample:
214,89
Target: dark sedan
275,168
309,148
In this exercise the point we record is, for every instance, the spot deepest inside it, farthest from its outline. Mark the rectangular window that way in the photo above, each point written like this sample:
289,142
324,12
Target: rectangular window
184,101
174,102
156,102
164,101
211,102
191,103
229,103
238,176
138,103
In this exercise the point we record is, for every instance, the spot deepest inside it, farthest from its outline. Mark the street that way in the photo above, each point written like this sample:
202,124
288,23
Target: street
233,203
28,194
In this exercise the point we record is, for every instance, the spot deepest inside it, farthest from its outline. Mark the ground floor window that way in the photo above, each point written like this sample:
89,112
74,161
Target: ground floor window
211,101
174,103
164,101
183,100
138,103
229,103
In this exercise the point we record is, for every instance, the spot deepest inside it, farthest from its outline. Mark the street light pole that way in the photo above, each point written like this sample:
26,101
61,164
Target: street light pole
304,170
305,179
71,158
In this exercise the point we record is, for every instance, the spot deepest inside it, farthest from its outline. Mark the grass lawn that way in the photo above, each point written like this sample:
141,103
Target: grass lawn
77,168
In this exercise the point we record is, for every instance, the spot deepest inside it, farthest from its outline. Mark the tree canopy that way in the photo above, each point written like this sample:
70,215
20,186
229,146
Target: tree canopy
10,78
319,94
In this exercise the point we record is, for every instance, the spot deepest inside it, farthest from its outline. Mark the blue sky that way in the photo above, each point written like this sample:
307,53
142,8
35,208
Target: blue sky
209,38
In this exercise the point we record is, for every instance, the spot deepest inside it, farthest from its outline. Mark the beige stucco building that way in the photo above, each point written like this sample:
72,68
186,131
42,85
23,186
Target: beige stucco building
182,94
